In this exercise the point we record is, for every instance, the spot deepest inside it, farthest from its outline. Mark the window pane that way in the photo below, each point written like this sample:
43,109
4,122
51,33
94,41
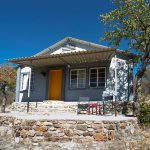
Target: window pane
93,80
97,75
94,71
78,78
74,83
101,70
93,84
74,76
101,84
101,79
101,74
81,78
74,72
81,83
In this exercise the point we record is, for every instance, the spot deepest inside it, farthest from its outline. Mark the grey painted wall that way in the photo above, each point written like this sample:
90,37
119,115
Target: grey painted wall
39,93
93,93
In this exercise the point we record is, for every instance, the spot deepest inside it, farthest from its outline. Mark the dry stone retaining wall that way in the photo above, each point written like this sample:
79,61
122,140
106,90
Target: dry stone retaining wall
66,130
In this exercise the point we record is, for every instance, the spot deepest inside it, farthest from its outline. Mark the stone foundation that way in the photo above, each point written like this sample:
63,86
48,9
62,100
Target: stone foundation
92,133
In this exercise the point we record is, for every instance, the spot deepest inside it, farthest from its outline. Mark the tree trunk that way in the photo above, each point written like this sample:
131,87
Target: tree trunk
137,95
3,102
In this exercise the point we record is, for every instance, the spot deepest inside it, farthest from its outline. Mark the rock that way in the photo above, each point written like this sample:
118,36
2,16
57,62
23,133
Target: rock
87,134
110,127
17,140
99,130
123,125
10,133
65,139
52,129
97,126
80,122
24,133
31,133
38,123
78,132
110,135
90,129
132,129
99,137
47,123
47,134
55,121
40,128
35,144
81,127
68,132
38,133
54,138
71,122
61,134
57,125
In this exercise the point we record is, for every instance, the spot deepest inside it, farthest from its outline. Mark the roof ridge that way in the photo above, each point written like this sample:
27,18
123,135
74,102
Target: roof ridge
71,39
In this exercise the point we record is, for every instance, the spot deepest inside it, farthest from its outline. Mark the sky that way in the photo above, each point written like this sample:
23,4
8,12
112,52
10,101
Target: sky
29,26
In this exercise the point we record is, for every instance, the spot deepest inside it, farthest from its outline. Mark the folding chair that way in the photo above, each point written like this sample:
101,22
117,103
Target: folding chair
83,104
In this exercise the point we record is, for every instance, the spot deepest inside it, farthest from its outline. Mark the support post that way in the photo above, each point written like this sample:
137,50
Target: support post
29,88
17,99
116,85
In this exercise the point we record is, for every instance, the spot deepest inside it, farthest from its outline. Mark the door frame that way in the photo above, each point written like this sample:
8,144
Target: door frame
63,68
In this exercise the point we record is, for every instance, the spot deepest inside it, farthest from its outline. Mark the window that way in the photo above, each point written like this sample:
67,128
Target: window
97,77
77,78
25,81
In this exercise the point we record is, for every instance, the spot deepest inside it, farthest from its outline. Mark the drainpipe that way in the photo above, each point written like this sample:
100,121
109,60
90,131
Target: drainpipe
29,87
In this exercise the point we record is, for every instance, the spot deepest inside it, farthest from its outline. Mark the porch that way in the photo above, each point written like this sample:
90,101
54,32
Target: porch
70,108
65,77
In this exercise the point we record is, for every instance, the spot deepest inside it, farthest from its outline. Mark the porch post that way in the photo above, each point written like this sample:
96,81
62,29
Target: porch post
17,99
116,85
29,87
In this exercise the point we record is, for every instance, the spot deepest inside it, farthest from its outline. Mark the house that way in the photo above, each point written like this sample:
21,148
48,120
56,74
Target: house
73,68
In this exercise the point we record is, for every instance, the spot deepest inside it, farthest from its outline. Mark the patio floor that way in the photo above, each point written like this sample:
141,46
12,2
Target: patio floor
66,116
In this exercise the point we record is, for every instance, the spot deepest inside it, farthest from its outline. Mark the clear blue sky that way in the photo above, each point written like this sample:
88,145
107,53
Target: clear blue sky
29,26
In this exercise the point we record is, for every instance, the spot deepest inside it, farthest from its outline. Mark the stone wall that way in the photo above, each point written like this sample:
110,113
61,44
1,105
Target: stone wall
92,134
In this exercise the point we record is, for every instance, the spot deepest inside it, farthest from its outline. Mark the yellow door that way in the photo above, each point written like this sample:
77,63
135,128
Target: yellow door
55,84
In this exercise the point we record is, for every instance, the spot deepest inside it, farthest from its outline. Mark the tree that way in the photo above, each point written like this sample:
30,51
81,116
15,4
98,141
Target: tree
130,22
7,82
146,83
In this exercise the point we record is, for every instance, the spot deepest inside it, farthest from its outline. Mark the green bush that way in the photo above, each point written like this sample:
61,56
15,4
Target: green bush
144,113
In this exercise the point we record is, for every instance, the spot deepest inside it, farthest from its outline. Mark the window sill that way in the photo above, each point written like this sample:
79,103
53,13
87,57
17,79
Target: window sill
97,87
77,88
26,90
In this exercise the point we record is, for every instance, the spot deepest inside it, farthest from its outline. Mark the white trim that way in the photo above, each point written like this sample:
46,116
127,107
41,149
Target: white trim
77,78
97,76
29,87
24,81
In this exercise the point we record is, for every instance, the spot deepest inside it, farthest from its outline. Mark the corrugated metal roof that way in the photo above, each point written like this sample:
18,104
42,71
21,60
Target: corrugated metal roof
66,58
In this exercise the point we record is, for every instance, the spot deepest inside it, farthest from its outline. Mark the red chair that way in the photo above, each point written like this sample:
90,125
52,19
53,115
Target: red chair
97,106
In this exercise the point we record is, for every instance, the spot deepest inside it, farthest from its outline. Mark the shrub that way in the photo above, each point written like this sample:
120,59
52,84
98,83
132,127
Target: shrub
144,112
